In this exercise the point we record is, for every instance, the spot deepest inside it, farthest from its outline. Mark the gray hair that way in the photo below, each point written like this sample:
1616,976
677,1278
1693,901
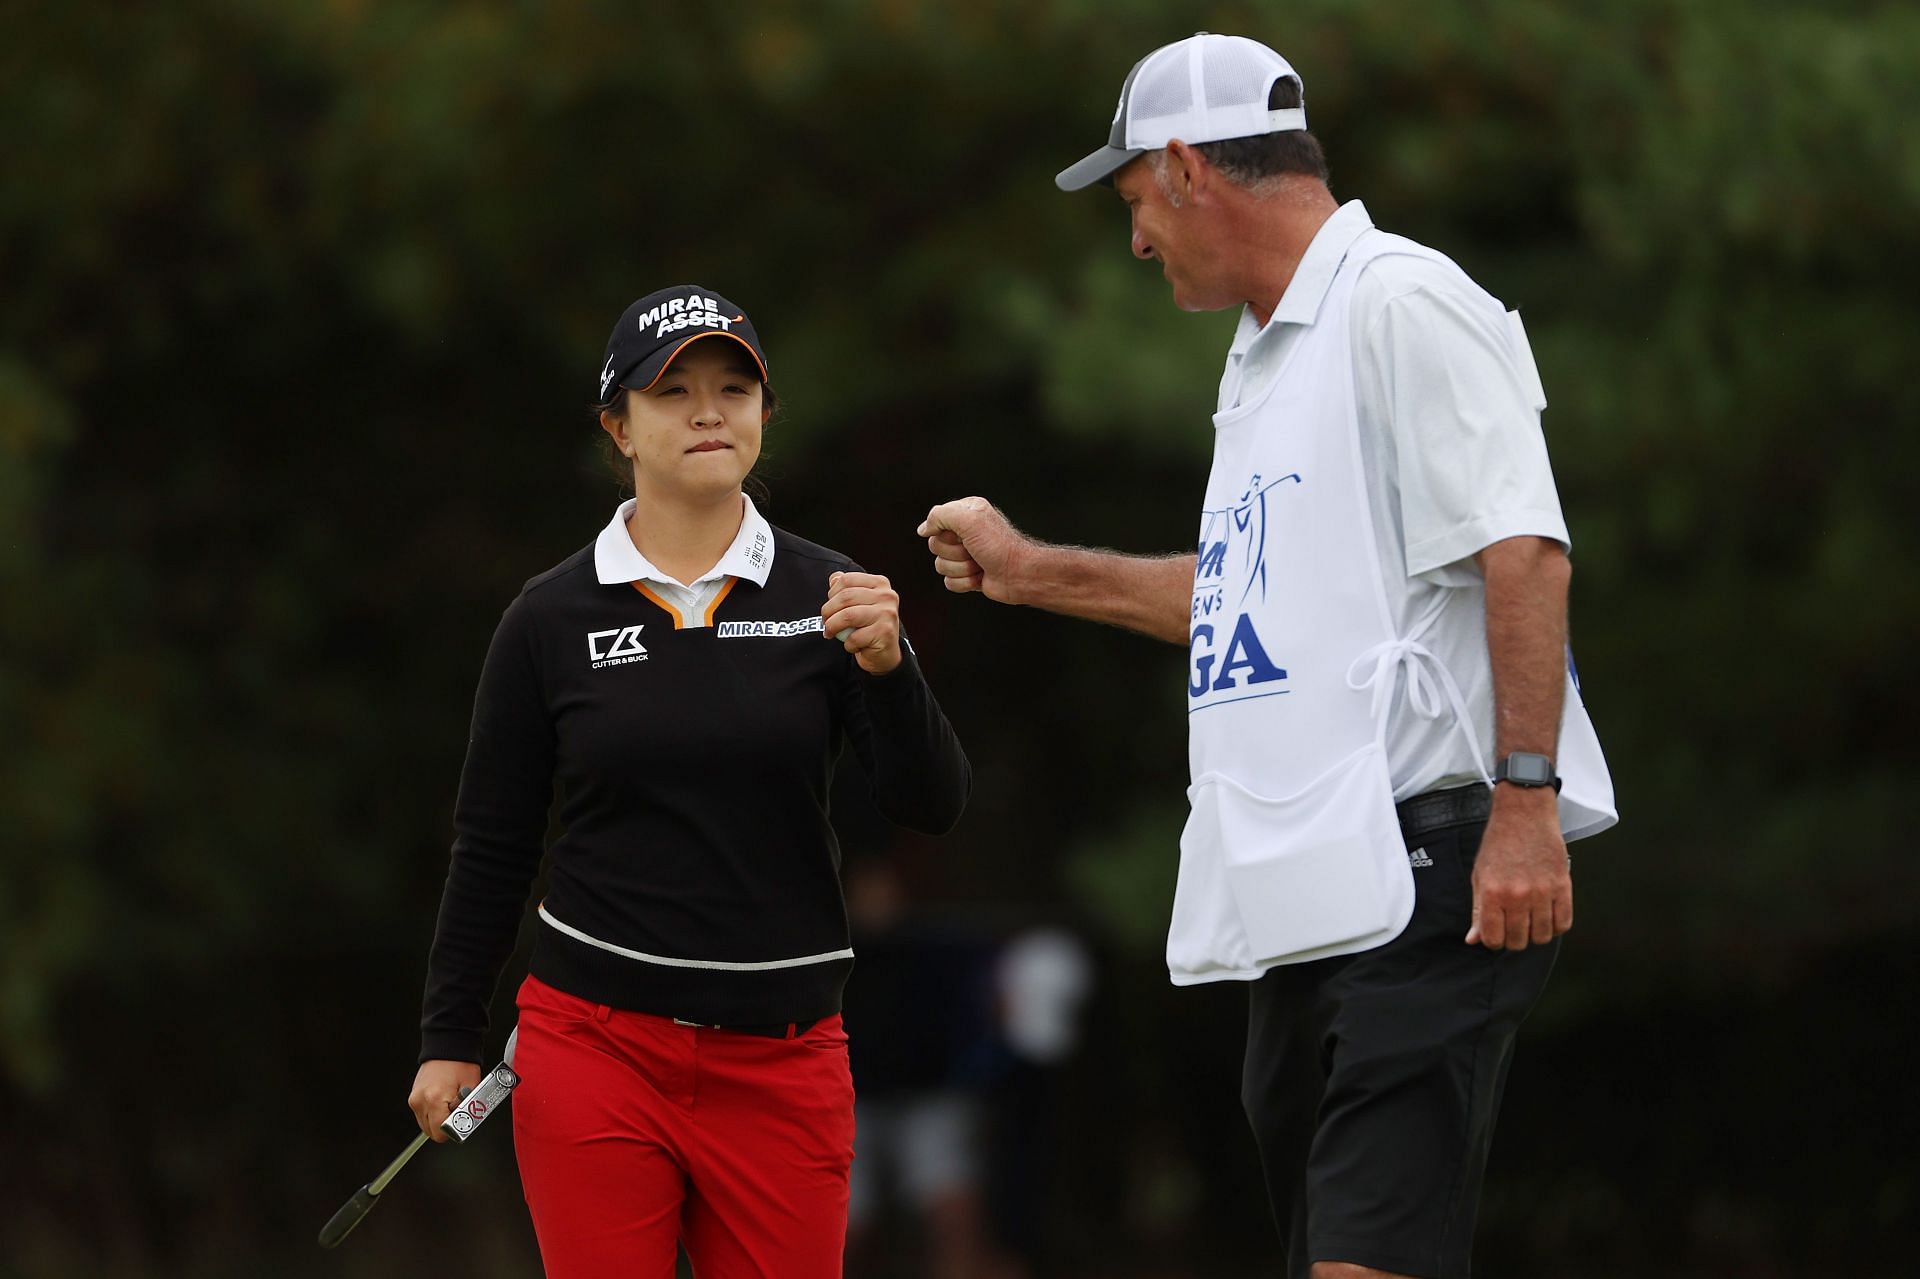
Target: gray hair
1260,164
1259,185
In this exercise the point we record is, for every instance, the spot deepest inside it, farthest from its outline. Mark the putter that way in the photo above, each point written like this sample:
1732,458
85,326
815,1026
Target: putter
465,1120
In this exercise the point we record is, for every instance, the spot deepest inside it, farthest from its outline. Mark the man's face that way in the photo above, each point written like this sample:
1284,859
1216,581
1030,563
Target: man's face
1171,234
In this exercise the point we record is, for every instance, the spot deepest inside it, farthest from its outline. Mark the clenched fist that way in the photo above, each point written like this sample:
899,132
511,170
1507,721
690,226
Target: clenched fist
974,547
437,1089
863,612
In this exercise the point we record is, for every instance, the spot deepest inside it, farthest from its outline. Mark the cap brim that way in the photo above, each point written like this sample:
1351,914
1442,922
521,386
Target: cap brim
1098,167
644,374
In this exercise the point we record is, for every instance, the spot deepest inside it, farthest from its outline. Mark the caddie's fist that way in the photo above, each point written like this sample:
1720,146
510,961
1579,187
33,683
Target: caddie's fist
863,613
974,547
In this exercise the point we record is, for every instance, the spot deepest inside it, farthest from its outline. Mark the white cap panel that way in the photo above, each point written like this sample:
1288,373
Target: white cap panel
1206,88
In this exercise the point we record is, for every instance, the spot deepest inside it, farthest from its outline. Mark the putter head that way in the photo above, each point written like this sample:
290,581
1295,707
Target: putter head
474,1108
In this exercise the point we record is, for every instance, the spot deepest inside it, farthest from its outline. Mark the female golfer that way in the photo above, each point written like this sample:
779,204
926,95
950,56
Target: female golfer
689,679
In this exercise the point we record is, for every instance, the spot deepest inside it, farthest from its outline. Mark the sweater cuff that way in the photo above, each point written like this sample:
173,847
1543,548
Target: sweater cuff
451,1045
902,681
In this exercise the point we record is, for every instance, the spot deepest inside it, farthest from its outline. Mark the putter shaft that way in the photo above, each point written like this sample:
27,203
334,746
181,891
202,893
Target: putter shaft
400,1161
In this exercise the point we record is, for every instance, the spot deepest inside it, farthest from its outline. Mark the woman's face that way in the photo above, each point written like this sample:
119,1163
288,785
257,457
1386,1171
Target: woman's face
695,433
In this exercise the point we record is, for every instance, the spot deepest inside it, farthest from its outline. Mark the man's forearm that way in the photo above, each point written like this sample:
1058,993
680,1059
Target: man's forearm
1527,641
1149,594
1522,886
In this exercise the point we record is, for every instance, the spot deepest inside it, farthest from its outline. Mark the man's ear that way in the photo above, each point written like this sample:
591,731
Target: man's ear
1188,172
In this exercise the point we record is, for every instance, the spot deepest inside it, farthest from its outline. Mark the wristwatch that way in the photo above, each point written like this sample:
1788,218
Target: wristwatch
1524,768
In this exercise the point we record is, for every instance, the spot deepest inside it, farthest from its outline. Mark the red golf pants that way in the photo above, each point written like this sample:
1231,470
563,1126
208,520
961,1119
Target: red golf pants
634,1132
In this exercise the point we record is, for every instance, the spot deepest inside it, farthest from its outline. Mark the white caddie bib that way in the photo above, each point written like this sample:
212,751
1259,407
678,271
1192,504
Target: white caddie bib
1292,850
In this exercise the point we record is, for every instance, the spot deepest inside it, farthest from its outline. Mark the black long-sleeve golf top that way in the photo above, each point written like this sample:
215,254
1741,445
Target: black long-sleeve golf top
697,876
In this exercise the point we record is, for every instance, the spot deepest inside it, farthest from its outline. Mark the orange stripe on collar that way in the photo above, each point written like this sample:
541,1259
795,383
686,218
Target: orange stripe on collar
678,621
714,607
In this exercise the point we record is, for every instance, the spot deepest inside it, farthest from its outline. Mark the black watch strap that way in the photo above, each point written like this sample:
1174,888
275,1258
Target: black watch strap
1526,768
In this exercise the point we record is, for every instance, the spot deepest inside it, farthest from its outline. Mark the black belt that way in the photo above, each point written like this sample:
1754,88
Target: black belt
1455,806
765,1029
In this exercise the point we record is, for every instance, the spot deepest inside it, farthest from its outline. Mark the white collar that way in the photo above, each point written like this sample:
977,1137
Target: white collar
1300,304
616,560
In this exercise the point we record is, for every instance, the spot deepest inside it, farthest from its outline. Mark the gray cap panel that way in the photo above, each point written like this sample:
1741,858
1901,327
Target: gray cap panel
1117,136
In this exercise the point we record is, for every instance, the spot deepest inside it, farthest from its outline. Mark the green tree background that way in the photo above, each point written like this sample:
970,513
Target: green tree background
302,302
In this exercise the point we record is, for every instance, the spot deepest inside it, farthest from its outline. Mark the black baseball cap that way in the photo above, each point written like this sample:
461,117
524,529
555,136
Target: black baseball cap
652,331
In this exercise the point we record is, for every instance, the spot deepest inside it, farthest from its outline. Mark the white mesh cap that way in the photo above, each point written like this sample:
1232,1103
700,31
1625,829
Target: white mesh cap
1205,88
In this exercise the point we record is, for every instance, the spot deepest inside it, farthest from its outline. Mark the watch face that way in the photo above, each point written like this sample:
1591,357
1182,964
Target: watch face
1529,769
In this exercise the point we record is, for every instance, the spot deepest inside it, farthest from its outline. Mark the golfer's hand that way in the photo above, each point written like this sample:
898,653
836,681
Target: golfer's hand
974,547
866,605
437,1090
1522,883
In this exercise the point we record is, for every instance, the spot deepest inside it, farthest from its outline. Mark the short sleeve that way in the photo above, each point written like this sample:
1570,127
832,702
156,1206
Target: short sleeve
1436,361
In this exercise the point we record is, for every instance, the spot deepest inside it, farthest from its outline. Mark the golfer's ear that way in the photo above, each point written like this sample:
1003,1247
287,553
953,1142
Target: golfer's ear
616,427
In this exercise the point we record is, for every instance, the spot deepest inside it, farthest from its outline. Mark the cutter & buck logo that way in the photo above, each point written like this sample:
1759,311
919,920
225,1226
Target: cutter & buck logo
616,647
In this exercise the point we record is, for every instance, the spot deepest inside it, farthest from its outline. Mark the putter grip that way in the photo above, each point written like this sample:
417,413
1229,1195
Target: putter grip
341,1224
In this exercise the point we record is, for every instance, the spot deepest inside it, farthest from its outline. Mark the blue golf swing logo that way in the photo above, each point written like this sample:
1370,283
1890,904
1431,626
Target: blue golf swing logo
1241,668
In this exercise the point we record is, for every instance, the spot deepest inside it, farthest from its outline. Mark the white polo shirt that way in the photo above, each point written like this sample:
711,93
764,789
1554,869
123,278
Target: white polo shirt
617,560
1453,457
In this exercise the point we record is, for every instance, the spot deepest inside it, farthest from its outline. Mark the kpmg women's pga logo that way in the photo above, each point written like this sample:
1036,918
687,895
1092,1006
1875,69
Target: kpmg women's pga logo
1231,565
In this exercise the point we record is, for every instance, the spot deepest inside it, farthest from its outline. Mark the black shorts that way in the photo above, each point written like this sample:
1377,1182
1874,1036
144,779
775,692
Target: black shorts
1372,1080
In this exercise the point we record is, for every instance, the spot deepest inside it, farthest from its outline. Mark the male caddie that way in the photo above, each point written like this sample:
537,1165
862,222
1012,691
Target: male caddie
1388,750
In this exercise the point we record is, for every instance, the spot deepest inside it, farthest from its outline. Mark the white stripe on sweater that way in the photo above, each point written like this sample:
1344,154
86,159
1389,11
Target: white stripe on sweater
760,966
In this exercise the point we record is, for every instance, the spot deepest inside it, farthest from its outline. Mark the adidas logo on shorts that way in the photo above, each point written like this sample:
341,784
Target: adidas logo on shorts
1418,857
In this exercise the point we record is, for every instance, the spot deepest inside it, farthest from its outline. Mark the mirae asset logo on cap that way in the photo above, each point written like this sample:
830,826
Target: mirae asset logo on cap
685,313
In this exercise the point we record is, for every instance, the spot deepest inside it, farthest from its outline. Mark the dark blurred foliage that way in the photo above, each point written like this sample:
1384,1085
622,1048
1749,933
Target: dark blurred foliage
302,305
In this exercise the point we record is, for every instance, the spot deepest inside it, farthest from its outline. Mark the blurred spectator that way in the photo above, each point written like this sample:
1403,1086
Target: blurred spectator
919,1015
1043,976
